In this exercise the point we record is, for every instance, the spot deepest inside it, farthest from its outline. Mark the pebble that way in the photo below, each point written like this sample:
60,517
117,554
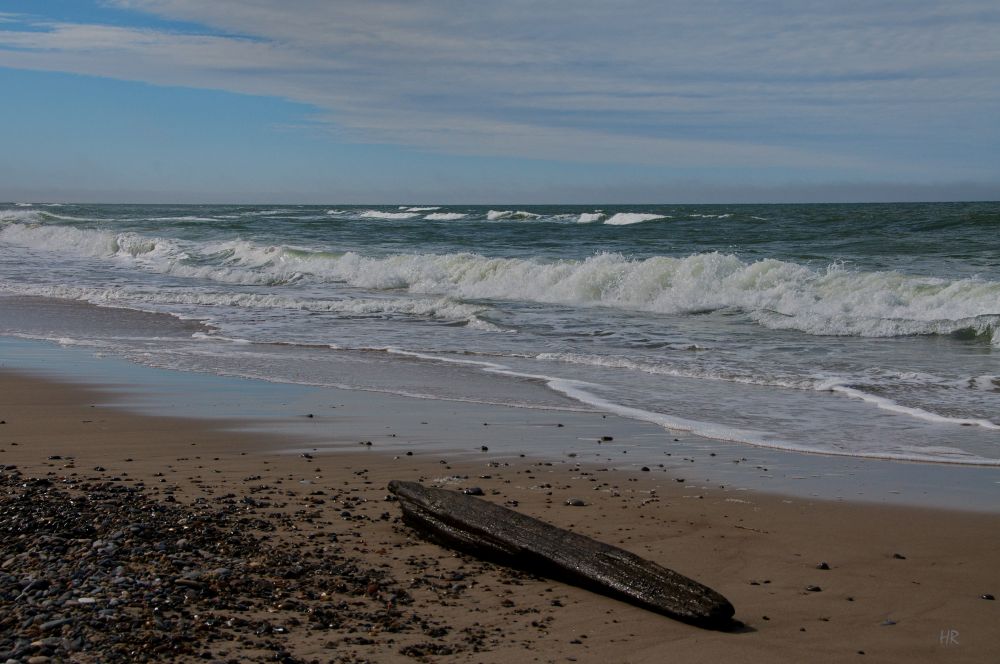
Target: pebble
473,491
100,567
575,502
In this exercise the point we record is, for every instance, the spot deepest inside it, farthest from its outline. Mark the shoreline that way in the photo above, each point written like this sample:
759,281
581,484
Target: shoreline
396,423
758,549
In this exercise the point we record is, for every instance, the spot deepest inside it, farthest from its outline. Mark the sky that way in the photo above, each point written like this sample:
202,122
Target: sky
542,101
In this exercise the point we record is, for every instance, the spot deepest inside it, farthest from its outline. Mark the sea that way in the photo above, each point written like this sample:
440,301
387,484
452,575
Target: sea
862,330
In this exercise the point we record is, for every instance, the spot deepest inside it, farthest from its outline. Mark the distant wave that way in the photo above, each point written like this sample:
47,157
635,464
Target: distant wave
629,218
591,217
497,215
445,216
380,214
776,294
420,209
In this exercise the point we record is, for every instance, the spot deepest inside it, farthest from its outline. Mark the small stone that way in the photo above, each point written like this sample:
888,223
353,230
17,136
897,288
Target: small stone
645,469
899,556
473,491
814,589
607,438
575,502
823,566
987,596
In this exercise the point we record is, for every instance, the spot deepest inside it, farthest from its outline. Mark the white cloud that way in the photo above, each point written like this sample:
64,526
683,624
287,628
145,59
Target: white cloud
674,84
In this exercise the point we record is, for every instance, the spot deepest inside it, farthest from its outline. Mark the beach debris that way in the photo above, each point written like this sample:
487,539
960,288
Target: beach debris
516,540
103,571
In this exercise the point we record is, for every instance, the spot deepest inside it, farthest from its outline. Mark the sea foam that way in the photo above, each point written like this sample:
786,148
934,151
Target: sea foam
629,218
776,294
497,215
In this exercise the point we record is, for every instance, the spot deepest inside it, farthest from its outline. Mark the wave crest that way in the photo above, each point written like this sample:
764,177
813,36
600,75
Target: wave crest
774,293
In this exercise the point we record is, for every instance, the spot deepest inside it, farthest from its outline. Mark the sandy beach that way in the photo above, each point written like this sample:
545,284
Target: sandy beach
903,584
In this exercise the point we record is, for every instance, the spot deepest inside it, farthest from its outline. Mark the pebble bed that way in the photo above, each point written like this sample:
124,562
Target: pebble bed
101,571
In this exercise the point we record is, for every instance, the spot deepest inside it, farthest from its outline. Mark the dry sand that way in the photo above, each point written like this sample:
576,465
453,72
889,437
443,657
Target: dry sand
904,584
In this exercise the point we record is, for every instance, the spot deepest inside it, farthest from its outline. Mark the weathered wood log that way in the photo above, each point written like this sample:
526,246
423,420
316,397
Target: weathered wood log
504,536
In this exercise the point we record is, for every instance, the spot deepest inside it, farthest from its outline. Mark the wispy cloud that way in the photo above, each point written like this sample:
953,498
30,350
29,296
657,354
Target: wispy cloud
712,83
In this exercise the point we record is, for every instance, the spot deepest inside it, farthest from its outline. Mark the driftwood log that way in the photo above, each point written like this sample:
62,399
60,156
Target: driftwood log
489,531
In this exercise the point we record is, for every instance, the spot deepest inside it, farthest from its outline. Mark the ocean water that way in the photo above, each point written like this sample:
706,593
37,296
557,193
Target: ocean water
858,330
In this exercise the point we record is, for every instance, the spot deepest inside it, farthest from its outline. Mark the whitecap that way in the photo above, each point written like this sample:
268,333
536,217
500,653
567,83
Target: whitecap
380,214
629,218
497,215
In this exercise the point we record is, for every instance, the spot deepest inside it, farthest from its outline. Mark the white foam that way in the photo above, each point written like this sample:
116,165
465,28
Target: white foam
698,372
202,336
477,323
890,405
629,218
380,214
497,215
444,308
445,216
776,294
420,209
580,391
590,217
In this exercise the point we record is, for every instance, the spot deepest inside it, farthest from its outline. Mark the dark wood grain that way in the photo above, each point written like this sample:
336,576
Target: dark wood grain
493,532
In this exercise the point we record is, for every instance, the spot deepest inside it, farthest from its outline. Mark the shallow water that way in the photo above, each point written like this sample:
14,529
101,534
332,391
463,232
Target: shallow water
858,330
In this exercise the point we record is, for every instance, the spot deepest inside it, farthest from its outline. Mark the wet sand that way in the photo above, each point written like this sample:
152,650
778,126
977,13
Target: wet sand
903,584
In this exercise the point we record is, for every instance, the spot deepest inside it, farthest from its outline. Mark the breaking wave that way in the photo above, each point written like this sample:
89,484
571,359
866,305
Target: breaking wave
776,294
629,218
497,215
380,214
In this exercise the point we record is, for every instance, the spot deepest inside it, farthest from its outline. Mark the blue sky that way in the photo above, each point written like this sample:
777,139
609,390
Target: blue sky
517,101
